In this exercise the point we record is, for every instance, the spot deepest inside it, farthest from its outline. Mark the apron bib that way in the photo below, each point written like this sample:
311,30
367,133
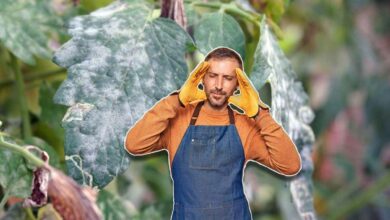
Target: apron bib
207,173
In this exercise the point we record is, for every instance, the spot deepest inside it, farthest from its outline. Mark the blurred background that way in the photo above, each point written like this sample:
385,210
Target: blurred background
340,50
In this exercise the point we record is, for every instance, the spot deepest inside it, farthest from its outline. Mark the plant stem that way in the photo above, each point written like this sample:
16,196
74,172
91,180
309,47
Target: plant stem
25,153
213,5
33,76
4,199
232,8
27,134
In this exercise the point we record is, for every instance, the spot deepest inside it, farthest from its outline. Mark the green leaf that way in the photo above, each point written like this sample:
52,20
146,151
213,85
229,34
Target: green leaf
219,29
49,128
151,212
192,16
120,63
51,113
25,27
113,207
15,177
275,9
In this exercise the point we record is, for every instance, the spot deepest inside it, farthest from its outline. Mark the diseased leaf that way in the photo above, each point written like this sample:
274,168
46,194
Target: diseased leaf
25,27
120,62
71,200
15,177
40,181
219,29
266,58
290,108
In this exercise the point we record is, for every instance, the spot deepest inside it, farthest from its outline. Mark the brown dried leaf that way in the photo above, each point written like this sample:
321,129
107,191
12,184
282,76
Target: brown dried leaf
70,200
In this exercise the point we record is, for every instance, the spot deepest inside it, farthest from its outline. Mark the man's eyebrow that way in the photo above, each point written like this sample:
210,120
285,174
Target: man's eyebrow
234,75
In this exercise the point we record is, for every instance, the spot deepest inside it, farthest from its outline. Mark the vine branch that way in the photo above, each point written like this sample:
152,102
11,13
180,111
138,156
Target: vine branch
33,76
27,134
231,8
22,151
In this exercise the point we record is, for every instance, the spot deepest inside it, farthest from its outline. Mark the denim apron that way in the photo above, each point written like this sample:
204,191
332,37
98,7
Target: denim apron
207,173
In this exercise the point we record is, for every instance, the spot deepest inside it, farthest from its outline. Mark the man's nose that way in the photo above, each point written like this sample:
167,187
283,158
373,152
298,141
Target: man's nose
219,83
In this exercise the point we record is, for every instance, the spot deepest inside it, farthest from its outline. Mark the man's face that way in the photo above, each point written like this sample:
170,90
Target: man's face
220,81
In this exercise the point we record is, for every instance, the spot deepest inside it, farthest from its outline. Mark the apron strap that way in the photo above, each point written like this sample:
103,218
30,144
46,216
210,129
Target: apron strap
197,110
231,115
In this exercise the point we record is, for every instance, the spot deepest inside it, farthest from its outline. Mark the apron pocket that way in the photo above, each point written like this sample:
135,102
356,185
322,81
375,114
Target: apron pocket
202,154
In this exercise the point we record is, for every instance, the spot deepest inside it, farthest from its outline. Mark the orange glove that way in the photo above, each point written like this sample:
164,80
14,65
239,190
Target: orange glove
190,91
248,100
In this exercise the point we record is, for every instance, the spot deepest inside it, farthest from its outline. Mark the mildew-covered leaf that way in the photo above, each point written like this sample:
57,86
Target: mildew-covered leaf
266,58
25,27
291,109
219,29
120,62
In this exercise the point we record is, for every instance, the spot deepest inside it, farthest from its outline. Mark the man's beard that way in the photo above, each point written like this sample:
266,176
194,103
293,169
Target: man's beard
214,102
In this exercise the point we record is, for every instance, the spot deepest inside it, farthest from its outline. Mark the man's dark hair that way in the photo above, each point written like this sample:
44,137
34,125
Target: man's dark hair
223,52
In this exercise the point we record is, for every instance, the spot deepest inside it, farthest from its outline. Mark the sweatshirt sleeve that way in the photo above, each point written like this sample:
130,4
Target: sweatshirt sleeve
151,132
271,146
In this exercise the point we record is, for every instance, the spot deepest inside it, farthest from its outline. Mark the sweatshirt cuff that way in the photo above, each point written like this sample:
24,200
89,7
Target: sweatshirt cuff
174,100
265,119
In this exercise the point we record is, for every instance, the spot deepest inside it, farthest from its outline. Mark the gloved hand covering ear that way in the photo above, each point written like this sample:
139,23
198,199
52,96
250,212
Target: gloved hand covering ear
248,100
190,92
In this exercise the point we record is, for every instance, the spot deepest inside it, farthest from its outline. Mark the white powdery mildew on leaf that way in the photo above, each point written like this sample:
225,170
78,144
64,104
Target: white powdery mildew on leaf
290,108
119,64
77,112
77,162
24,28
264,59
110,10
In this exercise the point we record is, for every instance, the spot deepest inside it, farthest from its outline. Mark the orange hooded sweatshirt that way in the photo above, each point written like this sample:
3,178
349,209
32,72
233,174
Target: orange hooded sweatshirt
264,140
